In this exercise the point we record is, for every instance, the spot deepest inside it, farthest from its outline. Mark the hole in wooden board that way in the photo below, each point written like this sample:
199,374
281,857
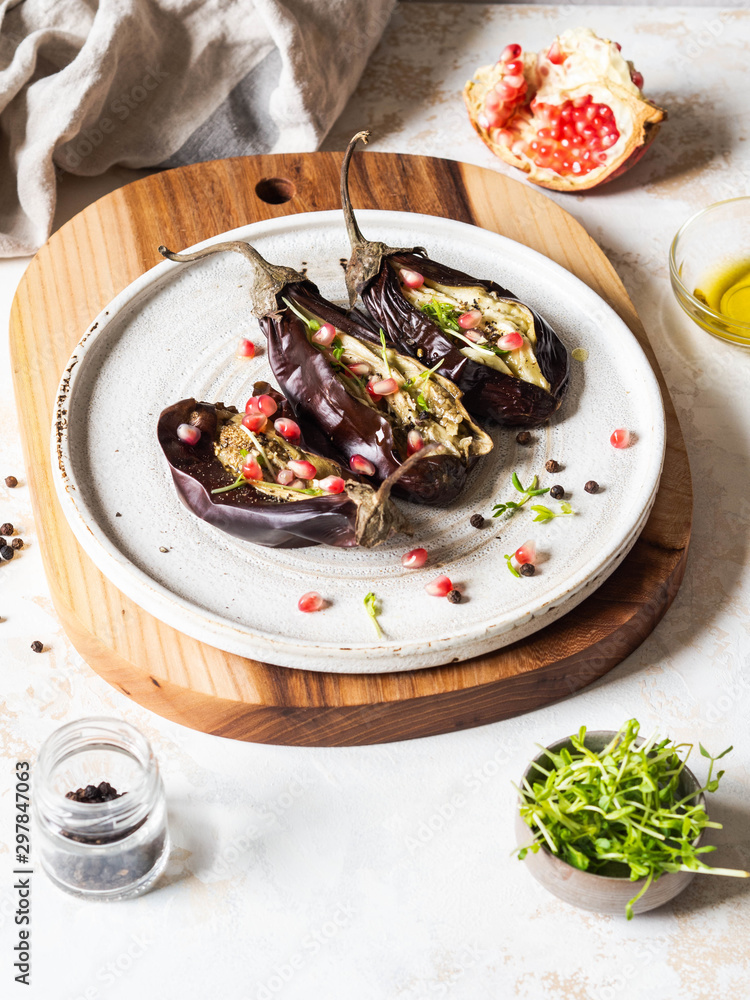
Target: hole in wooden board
275,190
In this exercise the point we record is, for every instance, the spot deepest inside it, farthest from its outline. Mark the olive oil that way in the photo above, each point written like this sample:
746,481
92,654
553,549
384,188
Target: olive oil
726,290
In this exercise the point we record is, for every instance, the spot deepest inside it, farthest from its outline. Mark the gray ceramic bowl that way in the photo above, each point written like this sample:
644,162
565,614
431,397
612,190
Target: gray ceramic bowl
588,891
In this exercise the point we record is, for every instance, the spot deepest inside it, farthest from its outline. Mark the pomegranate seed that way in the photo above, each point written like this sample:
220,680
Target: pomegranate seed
620,438
298,484
617,46
189,434
414,559
325,336
254,421
386,387
492,102
288,429
510,342
371,392
285,477
251,469
333,484
358,463
526,553
267,405
251,406
515,66
360,368
504,92
470,319
412,279
555,54
514,81
510,52
637,79
303,469
474,336
440,587
311,601
246,349
414,442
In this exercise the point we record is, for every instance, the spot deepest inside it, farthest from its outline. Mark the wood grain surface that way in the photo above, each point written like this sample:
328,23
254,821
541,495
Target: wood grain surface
110,243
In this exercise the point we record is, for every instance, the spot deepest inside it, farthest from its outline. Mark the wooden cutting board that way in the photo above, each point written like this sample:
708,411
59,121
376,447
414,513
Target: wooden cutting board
110,243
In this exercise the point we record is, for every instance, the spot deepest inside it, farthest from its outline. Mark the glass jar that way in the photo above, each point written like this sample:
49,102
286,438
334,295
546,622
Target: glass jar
105,850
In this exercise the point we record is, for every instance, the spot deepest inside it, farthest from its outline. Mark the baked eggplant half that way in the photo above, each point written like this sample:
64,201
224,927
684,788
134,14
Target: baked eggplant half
385,414
508,362
265,485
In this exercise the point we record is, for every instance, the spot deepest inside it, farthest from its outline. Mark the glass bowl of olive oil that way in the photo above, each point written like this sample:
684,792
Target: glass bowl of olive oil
709,265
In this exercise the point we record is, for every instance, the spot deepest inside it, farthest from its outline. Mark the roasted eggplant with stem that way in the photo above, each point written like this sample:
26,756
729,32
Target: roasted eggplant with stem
247,482
508,362
355,397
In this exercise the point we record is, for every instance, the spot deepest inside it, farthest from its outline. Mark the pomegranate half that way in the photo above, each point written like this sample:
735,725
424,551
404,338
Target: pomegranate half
571,117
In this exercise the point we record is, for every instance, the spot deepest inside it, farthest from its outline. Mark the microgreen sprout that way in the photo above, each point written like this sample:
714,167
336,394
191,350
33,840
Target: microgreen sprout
545,514
425,374
372,606
622,811
511,567
446,317
422,402
312,324
510,508
309,491
385,355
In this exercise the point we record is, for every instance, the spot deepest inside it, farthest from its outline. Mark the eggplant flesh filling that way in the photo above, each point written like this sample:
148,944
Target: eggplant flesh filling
442,422
499,317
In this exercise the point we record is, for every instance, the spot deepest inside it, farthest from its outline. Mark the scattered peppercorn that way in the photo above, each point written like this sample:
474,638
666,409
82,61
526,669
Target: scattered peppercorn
552,466
6,529
454,596
592,486
476,521
523,437
527,569
103,792
7,552
37,646
3,542
11,482
17,543
557,492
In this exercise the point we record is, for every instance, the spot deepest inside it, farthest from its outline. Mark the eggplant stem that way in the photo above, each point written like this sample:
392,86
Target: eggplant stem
352,228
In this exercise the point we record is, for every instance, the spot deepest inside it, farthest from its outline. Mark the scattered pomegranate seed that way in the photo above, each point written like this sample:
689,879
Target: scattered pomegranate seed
474,336
303,469
311,601
555,53
246,349
285,477
440,587
267,404
254,421
288,429
333,484
510,342
620,438
637,79
189,434
386,387
299,484
510,52
360,368
414,442
414,559
371,392
412,279
325,336
251,469
358,463
470,319
526,553
252,406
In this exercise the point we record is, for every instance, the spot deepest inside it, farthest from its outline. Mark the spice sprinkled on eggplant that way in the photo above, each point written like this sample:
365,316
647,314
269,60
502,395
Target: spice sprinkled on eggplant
507,361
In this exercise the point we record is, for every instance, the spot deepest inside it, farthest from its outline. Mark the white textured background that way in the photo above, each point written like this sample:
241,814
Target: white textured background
385,872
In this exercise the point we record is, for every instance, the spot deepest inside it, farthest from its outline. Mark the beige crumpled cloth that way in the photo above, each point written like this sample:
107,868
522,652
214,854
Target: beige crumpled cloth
85,84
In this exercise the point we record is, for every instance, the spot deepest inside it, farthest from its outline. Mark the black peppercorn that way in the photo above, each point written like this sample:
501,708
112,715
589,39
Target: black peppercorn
552,466
37,646
11,482
592,486
476,521
7,552
17,543
527,569
557,492
523,437
454,596
6,529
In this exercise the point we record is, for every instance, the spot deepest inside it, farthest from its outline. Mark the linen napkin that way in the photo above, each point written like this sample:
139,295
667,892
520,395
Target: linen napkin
85,84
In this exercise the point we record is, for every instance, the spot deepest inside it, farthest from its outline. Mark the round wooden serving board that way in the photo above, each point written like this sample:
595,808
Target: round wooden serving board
101,250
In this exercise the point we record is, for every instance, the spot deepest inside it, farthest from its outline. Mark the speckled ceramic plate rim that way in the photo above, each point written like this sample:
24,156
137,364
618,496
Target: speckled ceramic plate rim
384,656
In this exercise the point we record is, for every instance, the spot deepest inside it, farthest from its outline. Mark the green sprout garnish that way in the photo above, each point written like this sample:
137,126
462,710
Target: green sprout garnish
310,491
425,374
510,508
337,349
510,565
372,606
385,354
620,811
312,324
422,403
545,514
446,317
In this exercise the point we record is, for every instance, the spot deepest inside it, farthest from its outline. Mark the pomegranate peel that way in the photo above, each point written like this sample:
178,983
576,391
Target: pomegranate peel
575,118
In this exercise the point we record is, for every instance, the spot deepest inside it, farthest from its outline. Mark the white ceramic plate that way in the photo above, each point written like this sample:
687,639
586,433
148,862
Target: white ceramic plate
173,333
